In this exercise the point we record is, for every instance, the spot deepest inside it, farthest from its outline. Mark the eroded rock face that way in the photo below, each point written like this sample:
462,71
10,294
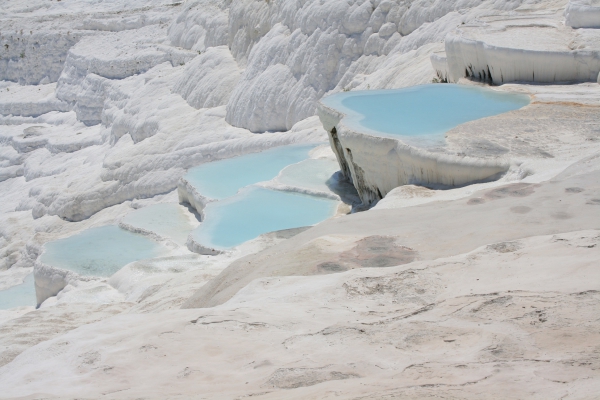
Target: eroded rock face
209,79
31,59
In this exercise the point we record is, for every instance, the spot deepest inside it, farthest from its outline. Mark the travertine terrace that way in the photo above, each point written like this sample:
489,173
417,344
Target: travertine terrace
485,288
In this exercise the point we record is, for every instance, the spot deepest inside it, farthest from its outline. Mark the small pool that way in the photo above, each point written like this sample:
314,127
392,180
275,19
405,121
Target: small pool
312,174
100,251
255,211
224,178
167,220
19,295
421,111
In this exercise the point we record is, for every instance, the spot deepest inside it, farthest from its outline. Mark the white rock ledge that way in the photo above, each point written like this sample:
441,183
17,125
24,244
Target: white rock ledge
197,247
583,14
376,165
501,53
148,233
49,280
189,195
498,65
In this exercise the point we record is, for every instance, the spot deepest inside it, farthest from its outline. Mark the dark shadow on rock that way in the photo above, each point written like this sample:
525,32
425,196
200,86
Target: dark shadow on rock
379,251
475,200
329,267
574,190
505,247
288,233
513,190
344,188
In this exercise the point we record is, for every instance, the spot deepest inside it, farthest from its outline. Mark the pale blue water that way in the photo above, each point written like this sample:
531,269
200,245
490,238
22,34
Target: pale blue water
255,211
100,251
18,296
426,110
167,220
221,179
309,174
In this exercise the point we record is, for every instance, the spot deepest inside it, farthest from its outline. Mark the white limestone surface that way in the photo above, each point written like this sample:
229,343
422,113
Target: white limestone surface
37,36
209,79
29,101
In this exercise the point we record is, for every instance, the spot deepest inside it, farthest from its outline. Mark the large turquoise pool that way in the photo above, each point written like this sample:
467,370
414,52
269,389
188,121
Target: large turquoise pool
255,211
421,111
221,179
100,251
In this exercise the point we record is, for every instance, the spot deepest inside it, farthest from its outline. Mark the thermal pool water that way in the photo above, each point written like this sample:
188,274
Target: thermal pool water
255,211
168,220
100,251
242,211
209,179
19,295
421,111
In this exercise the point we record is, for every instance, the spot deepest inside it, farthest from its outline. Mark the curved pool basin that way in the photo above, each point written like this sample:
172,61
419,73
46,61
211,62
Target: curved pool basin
224,178
167,220
255,211
425,111
100,251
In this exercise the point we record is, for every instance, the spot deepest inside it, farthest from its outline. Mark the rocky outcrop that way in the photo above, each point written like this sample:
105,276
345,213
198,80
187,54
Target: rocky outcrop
49,281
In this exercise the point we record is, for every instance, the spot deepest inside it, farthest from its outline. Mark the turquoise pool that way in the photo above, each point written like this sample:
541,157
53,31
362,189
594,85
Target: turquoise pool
255,211
224,178
19,295
100,251
421,111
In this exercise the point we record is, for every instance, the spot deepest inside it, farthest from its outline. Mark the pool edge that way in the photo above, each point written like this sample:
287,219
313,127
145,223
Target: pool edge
378,164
